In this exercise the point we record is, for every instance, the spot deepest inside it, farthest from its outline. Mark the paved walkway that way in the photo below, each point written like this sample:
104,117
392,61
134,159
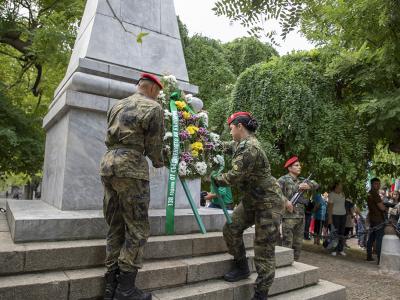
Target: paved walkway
3,221
362,279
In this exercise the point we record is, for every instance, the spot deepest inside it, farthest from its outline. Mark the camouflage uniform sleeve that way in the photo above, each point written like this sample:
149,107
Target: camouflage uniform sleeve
153,124
242,166
228,147
281,182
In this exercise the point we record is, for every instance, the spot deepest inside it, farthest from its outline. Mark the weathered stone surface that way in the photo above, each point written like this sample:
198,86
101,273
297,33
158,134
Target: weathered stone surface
85,284
390,254
47,286
158,274
11,255
4,225
324,290
213,290
33,257
64,255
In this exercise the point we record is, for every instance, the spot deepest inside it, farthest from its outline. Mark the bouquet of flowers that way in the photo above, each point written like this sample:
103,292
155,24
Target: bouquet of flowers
198,146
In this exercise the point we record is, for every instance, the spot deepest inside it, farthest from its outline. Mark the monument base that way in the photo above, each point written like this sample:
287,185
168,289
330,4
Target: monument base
35,220
390,254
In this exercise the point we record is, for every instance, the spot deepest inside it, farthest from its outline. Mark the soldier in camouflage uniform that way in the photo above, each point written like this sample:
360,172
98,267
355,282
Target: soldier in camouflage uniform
135,130
261,204
293,218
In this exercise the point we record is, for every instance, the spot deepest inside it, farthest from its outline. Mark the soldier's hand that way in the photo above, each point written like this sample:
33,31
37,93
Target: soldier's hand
304,186
289,206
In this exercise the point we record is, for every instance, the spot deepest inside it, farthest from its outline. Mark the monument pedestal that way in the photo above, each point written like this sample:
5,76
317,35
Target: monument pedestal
105,65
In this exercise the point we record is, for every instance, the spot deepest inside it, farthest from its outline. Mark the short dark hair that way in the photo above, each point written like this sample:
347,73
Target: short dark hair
375,179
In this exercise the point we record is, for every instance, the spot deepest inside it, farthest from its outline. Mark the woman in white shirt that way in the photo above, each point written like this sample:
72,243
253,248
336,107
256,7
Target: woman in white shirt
337,215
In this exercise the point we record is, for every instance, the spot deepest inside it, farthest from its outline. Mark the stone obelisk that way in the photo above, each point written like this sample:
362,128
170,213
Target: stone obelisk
105,64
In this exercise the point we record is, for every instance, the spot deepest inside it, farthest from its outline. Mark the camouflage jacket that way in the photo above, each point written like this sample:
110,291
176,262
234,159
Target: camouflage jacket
289,186
251,172
135,130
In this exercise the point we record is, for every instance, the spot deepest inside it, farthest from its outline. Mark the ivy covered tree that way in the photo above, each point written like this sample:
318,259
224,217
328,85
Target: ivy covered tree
363,37
295,104
244,52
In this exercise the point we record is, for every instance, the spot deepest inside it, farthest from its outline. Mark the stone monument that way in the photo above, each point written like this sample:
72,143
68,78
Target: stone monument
105,64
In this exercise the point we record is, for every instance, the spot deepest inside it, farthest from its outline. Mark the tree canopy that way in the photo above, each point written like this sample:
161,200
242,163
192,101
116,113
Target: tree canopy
363,37
295,104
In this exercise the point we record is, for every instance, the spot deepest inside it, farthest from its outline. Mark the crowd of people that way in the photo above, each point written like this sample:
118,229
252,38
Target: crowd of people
332,219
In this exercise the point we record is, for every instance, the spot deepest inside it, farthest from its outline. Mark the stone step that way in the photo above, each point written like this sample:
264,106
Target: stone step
37,221
286,279
89,283
243,290
324,290
33,257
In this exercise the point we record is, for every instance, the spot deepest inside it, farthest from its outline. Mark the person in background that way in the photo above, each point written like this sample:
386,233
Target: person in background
320,205
394,211
376,216
337,215
293,218
361,228
308,210
349,229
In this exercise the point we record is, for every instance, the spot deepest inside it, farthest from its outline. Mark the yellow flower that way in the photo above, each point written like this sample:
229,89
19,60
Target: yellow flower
186,115
180,104
198,146
192,129
195,153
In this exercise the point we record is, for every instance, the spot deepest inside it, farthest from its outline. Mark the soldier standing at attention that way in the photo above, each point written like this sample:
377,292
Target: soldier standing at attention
293,218
135,130
261,204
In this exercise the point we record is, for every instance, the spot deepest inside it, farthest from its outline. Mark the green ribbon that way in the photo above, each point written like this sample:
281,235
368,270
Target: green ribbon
221,201
173,169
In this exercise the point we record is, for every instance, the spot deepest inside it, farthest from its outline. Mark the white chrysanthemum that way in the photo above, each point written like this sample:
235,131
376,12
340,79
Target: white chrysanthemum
201,168
171,79
219,159
214,137
167,135
203,115
167,114
182,168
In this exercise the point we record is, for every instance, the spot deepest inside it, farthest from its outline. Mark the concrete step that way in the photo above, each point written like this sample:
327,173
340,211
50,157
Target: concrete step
286,279
33,257
323,290
37,221
89,283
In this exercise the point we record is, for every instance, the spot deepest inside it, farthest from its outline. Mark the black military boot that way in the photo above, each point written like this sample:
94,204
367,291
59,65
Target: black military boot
258,295
240,270
126,289
111,284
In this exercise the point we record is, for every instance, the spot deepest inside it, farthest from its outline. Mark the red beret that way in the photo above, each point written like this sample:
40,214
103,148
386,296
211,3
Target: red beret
153,78
291,161
238,114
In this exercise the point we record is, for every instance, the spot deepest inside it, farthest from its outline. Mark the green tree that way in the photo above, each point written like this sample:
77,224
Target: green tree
363,37
208,68
244,52
22,140
295,104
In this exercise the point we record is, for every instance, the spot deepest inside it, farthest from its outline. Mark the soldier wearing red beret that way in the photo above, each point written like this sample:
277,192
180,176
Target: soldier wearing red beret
293,218
135,130
261,204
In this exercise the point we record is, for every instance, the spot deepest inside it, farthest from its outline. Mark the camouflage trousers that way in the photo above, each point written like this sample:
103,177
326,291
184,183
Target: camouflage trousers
125,207
292,234
266,234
